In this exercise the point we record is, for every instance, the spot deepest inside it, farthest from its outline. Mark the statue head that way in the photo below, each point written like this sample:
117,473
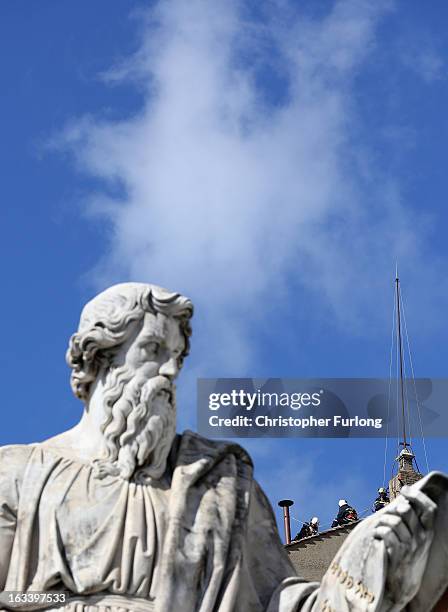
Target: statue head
130,345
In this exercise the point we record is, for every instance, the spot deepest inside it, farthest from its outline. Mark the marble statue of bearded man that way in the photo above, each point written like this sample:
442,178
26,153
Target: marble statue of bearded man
125,515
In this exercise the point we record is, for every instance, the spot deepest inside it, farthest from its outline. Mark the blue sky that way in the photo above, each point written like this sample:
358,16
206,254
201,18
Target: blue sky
271,160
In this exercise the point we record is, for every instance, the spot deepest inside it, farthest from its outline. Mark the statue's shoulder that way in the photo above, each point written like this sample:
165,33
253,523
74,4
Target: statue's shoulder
13,461
14,458
195,445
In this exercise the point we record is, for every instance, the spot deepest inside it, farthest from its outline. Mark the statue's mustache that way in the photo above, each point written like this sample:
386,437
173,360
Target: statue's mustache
155,400
157,386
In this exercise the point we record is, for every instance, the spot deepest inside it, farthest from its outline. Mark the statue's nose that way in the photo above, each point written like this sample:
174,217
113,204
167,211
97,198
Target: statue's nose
170,369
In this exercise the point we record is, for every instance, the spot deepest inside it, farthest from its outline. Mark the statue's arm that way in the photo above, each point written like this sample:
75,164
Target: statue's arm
269,582
380,567
11,469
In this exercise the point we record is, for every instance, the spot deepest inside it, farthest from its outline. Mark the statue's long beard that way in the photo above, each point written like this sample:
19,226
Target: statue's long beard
139,427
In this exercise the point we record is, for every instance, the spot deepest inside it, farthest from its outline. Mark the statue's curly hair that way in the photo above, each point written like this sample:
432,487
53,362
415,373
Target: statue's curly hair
105,325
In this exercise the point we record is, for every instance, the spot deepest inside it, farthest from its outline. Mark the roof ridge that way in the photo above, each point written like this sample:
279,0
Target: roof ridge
321,533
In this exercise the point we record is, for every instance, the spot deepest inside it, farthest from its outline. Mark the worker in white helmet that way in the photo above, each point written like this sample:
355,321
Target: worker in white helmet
308,529
346,514
314,524
382,500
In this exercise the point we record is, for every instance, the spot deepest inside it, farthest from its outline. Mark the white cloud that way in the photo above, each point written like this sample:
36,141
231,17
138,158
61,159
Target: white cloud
419,52
429,65
230,197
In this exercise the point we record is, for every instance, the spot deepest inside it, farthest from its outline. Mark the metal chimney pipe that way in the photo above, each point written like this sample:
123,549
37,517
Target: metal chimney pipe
285,504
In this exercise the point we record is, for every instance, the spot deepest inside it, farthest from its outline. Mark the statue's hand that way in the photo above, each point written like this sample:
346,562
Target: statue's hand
406,528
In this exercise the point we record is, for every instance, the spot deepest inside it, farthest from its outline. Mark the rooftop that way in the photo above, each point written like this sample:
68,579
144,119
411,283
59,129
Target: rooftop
312,556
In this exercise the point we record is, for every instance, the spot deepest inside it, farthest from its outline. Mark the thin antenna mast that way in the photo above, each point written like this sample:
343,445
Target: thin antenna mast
406,474
400,344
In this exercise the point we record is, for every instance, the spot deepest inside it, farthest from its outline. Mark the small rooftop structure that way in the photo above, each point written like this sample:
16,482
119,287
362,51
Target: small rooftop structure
407,475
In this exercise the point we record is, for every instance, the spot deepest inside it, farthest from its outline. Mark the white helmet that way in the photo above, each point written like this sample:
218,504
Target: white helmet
342,502
381,490
314,521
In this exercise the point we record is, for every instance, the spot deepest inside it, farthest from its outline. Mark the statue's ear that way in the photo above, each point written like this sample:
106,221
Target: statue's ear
105,359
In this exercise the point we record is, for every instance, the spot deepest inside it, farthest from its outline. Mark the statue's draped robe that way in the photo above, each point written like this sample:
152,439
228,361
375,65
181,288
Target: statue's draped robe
202,539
